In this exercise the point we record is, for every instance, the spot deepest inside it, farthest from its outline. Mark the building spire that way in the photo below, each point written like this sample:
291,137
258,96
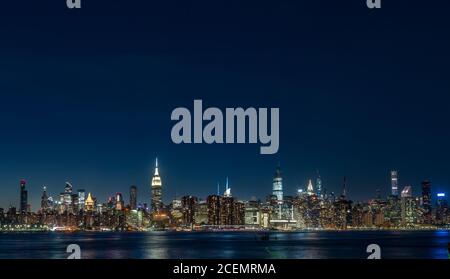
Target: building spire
227,190
344,187
156,167
310,188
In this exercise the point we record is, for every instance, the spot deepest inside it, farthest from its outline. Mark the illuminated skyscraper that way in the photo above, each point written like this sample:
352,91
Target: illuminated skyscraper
119,202
408,207
441,209
44,199
89,204
426,202
23,197
213,203
188,204
156,189
310,188
278,185
81,199
394,183
319,185
133,197
227,192
68,197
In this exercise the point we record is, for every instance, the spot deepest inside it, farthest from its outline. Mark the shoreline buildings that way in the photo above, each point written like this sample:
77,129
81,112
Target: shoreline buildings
312,208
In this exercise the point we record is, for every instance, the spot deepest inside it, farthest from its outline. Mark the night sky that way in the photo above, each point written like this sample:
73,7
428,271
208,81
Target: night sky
86,96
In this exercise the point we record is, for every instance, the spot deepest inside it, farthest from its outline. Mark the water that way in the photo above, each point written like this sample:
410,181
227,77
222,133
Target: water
225,245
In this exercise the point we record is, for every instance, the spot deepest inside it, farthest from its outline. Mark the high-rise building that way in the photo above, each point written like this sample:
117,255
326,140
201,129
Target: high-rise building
407,192
227,211
44,200
319,185
278,185
188,204
426,202
120,205
441,209
133,197
310,188
227,192
344,189
90,203
201,213
23,196
68,189
239,213
156,189
408,208
213,203
394,183
81,199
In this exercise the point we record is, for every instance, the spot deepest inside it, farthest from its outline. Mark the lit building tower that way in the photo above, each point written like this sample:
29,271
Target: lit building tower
68,196
319,184
89,204
133,197
81,199
310,188
156,189
23,196
227,193
441,210
408,207
119,202
278,185
394,183
44,200
426,202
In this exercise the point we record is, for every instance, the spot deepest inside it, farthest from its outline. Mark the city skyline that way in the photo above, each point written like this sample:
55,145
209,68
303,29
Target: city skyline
311,208
394,189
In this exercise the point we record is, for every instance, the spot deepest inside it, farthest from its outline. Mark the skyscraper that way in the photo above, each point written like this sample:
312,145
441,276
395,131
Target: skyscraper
133,197
407,192
213,203
426,202
23,196
319,185
227,192
441,209
278,185
344,189
81,199
407,207
44,199
90,204
394,183
119,202
310,188
68,189
156,189
188,204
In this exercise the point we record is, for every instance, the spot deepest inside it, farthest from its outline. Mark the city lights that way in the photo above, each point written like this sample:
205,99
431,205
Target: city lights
311,208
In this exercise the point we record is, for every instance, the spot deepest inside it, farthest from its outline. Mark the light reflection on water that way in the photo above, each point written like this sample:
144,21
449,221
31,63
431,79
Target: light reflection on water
226,245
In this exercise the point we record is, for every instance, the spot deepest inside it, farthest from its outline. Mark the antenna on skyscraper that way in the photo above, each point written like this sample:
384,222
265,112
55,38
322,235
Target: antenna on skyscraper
344,187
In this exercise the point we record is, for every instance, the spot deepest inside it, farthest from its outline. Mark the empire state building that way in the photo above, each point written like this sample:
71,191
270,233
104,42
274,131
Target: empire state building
156,189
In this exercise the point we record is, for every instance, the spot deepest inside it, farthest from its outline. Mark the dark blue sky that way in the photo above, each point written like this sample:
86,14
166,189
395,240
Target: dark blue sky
86,96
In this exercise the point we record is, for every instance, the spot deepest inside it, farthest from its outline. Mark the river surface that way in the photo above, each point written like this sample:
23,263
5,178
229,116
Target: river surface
226,245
